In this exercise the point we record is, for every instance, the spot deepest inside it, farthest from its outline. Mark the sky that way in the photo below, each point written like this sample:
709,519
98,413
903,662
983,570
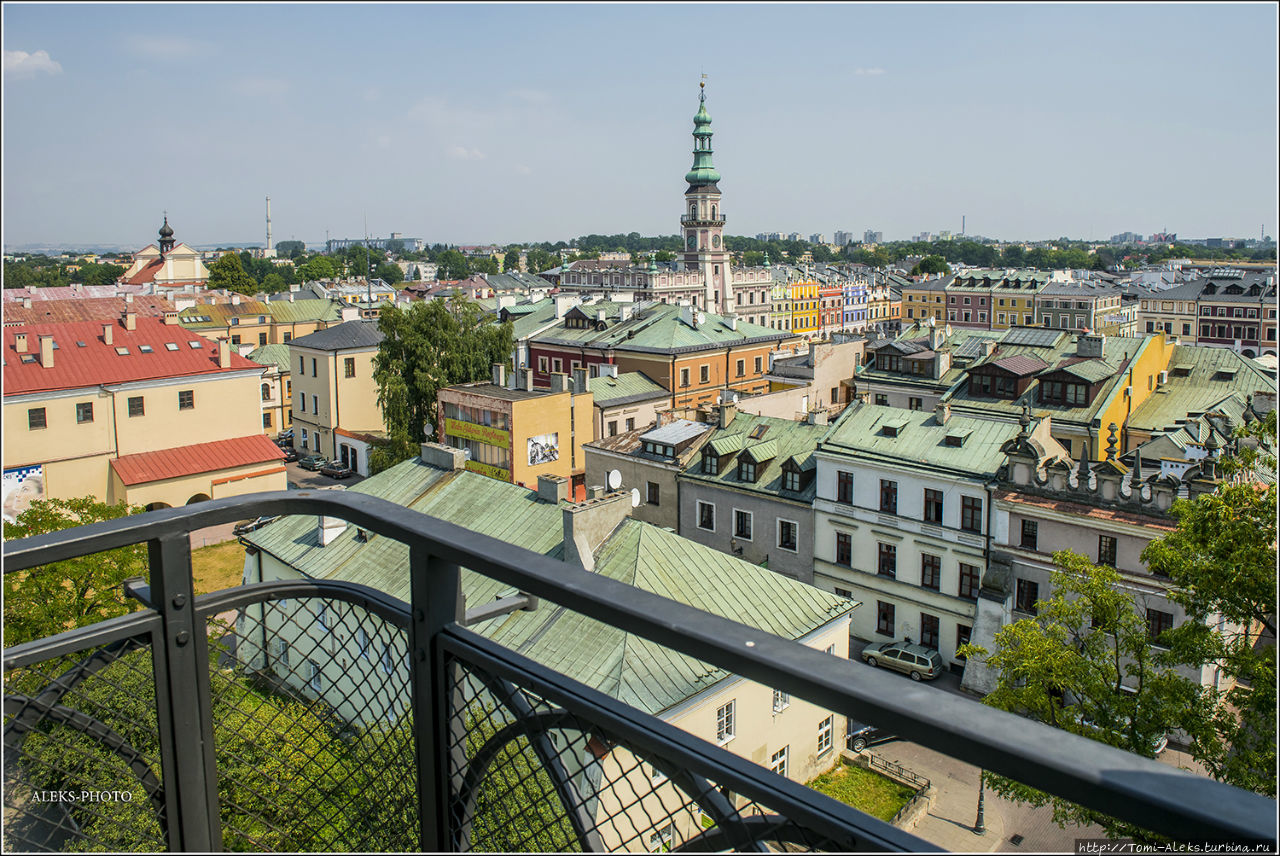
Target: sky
470,124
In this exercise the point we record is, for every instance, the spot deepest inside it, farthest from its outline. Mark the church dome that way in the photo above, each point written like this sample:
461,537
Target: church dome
166,231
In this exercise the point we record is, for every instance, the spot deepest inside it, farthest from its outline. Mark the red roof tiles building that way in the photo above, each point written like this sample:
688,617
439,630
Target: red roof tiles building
195,459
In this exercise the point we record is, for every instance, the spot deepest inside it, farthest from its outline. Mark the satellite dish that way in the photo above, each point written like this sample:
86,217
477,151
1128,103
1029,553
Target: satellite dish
635,497
615,479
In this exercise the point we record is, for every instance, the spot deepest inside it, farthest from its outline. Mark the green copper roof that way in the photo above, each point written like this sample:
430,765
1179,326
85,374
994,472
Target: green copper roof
626,387
727,444
703,172
761,452
273,355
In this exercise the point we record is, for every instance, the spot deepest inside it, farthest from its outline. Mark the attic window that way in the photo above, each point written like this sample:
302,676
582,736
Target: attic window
957,438
1182,370
145,349
235,322
28,358
758,431
195,346
893,428
170,346
1224,374
124,352
80,344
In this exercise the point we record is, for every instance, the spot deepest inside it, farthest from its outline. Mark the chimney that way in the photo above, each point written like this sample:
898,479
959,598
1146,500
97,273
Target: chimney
727,412
559,381
600,316
589,524
563,303
20,342
731,321
128,298
942,412
224,353
26,303
579,381
130,321
936,337
290,296
329,528
817,417
235,300
170,319
442,457
46,351
625,312
553,489
106,333
1091,345
608,370
526,380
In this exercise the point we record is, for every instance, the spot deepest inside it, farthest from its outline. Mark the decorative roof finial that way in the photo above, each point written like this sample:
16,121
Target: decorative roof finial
1111,441
1135,476
1024,419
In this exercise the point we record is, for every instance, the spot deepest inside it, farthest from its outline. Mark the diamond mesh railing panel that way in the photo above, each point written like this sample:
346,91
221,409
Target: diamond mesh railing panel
312,728
82,749
528,776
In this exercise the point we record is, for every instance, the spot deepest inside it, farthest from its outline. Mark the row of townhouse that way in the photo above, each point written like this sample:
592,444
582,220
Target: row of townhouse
1225,309
249,324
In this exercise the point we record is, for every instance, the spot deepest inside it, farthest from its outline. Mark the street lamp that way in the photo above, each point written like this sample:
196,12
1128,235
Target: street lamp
980,827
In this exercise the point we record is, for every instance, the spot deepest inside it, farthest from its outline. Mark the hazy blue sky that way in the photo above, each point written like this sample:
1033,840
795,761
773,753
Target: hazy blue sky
506,123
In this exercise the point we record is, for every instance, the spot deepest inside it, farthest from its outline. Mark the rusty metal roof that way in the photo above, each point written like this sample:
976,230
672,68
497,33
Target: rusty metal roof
198,458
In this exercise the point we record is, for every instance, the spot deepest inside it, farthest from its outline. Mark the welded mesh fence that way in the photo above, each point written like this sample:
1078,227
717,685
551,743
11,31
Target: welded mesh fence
529,776
81,762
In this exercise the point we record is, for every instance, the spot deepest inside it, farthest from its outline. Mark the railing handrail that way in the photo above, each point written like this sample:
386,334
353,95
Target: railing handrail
1121,784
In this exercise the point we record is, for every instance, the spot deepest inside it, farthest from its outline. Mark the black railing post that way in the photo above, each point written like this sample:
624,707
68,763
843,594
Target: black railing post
435,602
182,698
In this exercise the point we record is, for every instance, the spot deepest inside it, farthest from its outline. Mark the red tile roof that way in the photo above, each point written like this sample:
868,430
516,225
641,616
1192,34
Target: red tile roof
88,309
1082,510
198,458
95,363
146,273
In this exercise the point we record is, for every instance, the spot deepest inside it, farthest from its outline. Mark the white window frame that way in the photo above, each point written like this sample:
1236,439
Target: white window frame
362,639
698,517
388,663
656,777
826,730
660,841
781,701
751,524
726,725
314,679
796,524
778,761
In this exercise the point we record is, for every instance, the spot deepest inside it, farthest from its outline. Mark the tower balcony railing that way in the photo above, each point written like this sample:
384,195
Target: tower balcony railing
315,714
719,219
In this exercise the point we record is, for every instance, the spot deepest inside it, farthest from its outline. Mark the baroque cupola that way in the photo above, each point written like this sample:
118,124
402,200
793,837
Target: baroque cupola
166,236
703,172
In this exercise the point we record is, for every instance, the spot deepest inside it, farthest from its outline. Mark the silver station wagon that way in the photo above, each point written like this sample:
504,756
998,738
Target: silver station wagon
915,660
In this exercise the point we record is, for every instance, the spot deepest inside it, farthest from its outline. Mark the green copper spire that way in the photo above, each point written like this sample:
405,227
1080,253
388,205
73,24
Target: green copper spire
703,172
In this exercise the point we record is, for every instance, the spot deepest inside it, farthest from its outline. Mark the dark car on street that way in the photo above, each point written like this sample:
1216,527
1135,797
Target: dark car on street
861,735
312,462
335,469
290,454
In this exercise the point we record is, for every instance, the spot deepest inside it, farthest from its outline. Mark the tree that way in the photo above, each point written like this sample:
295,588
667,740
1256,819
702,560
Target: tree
49,599
318,267
1222,562
227,272
484,264
452,264
822,253
426,347
389,273
290,249
931,264
273,282
511,261
752,258
664,256
1085,664
537,261
98,274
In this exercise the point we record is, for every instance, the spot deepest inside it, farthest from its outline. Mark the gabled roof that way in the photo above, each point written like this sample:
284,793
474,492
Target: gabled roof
920,439
647,676
273,355
626,388
1020,364
1089,370
75,308
153,350
769,442
363,333
659,328
197,458
219,315
305,310
761,452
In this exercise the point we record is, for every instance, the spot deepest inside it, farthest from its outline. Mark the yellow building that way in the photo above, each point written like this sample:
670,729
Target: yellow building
803,297
81,398
515,433
276,387
169,264
333,388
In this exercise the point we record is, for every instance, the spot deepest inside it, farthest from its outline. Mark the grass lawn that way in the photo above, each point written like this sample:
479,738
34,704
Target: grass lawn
217,567
864,790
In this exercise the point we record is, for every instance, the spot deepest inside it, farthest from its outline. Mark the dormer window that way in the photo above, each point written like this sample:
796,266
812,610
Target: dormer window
893,428
957,437
710,463
1058,392
747,471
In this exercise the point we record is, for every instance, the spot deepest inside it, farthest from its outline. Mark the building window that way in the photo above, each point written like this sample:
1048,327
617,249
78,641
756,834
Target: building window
235,339
742,521
302,365
302,403
844,549
186,399
315,372
304,439
968,581
613,428
725,723
888,496
970,514
747,471
36,418
788,535
1028,594
706,516
759,364
932,506
791,480
928,630
315,408
844,487
313,675
631,424
825,728
1030,534
842,592
781,701
930,571
136,407
1107,550
963,632
266,420
882,400
884,618
887,560
288,337
741,365
704,374
262,338
660,841
84,412
349,367
1158,622
651,493
684,377
914,403
710,463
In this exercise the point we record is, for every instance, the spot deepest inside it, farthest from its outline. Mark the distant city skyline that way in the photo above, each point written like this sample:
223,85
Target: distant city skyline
512,124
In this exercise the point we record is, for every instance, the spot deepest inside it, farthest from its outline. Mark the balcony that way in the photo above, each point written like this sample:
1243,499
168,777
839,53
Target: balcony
390,726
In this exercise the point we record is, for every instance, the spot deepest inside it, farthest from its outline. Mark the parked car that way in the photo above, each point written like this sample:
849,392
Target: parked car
1116,736
860,735
285,438
290,454
251,525
915,660
312,462
335,469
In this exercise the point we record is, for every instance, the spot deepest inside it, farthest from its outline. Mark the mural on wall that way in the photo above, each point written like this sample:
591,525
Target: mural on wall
22,486
544,449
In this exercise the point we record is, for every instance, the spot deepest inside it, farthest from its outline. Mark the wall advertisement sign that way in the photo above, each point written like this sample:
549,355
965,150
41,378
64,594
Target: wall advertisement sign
480,433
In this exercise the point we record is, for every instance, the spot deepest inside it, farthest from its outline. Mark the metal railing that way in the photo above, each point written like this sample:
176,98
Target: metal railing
898,770
323,715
